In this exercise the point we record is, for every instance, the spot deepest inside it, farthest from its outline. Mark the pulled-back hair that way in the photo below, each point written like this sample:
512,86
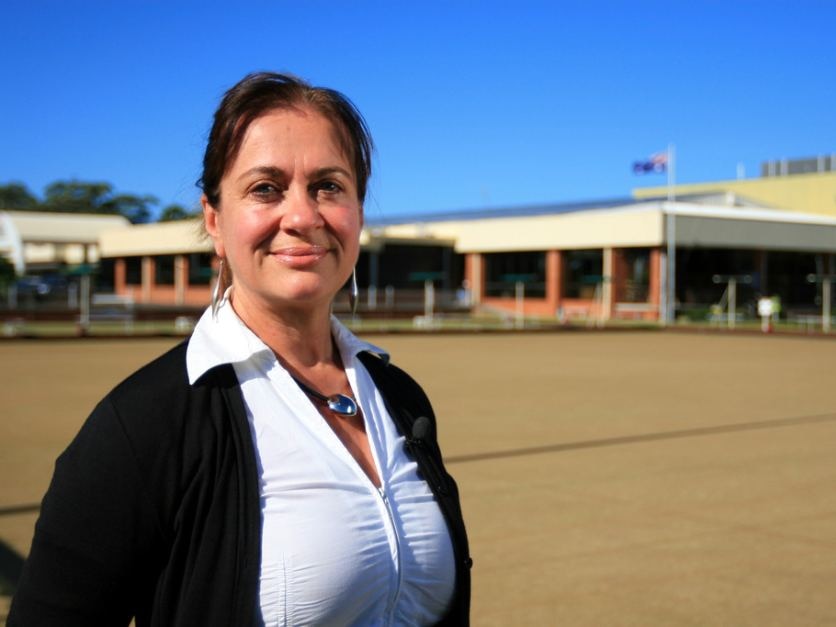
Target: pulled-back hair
261,92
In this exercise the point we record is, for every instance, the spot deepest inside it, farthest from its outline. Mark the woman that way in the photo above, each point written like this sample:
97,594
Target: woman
274,469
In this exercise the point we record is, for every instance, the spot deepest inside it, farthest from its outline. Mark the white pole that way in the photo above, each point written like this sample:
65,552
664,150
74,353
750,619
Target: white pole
671,229
825,304
732,302
429,299
520,293
72,296
84,317
671,169
663,289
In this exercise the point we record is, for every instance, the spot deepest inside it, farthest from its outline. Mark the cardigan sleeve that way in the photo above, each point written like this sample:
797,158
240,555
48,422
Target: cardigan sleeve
95,540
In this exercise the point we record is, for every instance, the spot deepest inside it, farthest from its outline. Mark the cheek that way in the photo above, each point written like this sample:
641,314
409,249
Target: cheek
349,224
245,232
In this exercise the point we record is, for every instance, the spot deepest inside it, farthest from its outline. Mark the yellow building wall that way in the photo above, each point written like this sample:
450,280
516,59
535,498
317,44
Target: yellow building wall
805,193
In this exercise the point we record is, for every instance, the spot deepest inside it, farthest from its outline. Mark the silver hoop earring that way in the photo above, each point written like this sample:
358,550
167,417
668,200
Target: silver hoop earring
218,290
353,293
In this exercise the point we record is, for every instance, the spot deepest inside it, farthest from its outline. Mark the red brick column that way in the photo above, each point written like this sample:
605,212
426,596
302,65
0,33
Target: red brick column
554,280
619,275
147,278
119,286
474,273
655,289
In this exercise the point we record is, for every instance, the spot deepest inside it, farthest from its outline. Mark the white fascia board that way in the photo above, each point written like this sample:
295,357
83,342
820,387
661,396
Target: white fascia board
706,232
165,238
636,226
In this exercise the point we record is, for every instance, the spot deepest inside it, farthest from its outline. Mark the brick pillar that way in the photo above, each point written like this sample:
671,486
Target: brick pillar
147,278
619,275
474,272
181,269
654,295
608,271
554,280
119,286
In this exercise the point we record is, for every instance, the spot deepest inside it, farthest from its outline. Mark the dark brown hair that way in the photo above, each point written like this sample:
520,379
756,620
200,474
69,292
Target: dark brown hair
260,92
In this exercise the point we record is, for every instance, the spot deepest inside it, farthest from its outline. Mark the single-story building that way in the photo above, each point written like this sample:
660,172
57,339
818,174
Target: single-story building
601,259
38,242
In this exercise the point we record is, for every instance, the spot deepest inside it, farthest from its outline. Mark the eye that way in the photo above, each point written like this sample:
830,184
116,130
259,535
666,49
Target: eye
328,187
265,191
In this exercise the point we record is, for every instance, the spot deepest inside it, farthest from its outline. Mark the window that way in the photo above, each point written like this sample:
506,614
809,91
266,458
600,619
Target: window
164,270
636,275
133,270
200,268
584,272
105,275
407,266
504,270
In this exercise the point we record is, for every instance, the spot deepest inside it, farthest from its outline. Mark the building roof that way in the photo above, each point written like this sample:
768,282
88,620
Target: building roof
804,193
61,228
499,212
632,224
161,238
599,224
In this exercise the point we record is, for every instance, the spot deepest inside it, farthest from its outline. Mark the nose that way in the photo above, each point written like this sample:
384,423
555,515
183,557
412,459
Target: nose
301,211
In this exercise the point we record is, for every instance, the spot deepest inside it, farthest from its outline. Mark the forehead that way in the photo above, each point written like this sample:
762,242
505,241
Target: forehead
292,131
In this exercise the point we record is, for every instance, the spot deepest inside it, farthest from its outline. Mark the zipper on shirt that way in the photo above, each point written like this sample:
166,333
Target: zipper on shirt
393,603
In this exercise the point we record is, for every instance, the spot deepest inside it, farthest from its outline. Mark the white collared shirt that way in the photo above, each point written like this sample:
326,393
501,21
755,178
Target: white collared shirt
336,550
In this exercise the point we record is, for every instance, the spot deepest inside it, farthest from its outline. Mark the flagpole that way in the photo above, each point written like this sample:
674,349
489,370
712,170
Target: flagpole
670,296
671,169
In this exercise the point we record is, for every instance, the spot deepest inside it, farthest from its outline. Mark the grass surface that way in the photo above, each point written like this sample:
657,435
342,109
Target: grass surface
607,479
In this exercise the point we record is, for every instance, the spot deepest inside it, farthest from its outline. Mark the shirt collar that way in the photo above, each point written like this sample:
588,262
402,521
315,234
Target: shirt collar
224,339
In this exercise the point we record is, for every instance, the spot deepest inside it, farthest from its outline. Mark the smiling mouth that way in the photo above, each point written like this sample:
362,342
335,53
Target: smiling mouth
299,256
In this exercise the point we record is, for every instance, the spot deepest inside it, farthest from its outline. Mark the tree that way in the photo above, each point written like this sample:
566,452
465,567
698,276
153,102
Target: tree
96,197
7,272
17,196
137,209
175,212
77,197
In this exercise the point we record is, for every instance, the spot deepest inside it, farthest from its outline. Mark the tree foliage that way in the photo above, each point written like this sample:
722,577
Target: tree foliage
17,196
96,197
74,196
7,272
175,212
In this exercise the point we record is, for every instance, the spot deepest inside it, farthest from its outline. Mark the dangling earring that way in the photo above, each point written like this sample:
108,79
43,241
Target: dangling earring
218,290
353,293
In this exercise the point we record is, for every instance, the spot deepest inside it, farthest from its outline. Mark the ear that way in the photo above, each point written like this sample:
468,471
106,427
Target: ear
211,222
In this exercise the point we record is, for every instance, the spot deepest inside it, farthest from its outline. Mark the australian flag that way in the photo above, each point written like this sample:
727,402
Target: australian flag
656,164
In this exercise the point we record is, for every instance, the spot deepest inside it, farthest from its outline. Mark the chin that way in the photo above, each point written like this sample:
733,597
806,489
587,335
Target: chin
304,296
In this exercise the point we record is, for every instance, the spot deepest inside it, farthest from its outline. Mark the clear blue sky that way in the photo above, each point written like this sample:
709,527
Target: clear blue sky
471,104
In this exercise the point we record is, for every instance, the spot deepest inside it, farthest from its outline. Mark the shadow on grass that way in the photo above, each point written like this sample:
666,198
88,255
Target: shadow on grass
641,438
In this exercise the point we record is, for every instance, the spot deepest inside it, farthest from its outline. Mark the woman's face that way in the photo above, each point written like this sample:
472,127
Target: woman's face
289,219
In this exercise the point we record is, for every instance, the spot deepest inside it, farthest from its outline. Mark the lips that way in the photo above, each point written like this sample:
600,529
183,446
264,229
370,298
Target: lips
299,256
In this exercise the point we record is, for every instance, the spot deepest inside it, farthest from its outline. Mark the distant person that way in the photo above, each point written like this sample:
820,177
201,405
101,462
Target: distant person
463,294
273,469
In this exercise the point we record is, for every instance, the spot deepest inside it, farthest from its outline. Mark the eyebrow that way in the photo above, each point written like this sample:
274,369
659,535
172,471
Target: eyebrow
274,172
268,170
321,172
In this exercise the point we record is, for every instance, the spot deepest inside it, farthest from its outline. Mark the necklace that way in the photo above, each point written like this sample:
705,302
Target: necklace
341,404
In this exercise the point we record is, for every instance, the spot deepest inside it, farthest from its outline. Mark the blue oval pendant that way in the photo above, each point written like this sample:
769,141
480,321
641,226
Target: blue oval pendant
342,404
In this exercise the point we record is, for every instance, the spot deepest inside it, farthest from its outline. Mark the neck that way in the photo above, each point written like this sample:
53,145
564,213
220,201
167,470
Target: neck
299,337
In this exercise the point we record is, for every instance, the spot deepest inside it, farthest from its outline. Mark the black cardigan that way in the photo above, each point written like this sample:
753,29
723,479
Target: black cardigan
153,510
